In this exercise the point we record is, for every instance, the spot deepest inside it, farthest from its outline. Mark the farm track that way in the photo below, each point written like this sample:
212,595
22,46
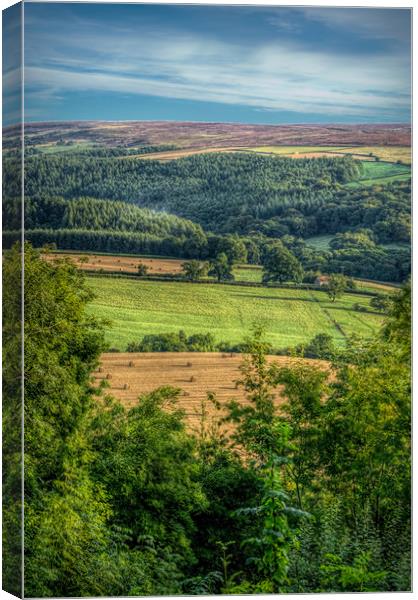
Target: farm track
131,374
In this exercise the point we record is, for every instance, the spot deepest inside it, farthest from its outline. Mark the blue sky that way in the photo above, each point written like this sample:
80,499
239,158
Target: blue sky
209,63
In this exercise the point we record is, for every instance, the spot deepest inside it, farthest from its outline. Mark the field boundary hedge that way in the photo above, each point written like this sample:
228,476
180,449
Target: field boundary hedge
288,286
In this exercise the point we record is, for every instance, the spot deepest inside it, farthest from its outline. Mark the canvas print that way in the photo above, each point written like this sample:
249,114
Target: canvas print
206,305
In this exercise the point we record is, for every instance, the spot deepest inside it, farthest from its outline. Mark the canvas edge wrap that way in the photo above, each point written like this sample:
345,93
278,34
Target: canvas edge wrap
12,499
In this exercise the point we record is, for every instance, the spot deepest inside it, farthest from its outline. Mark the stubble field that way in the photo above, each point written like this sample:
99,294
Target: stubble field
119,262
129,375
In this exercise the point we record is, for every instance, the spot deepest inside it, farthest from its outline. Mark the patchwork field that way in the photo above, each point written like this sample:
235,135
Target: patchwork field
390,154
290,317
130,263
363,153
130,374
172,266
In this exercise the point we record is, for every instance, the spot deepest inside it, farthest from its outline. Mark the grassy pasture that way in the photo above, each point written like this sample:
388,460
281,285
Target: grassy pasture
196,373
251,273
290,317
319,242
61,149
375,173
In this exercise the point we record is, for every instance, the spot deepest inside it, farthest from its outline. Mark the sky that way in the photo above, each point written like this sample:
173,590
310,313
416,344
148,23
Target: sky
250,64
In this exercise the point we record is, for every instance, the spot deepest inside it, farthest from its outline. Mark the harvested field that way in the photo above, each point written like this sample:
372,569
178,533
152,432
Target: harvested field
195,373
124,264
386,153
331,155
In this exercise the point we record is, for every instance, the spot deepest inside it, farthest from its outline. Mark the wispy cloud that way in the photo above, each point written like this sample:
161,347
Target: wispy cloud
372,23
275,75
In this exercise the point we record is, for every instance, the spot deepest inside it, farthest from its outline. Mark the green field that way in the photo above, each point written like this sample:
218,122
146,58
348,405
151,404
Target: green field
319,242
290,317
381,172
251,273
59,149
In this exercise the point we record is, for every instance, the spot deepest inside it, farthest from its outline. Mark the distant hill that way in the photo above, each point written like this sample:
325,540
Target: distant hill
195,135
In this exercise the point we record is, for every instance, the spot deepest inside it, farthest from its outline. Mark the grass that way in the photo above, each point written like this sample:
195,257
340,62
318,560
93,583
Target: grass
319,242
251,273
377,170
381,173
290,317
58,149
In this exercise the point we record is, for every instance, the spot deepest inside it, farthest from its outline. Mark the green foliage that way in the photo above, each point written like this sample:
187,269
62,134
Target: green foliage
142,270
381,302
127,502
221,268
146,464
281,265
353,444
174,342
336,286
194,270
230,193
358,577
12,421
321,346
107,204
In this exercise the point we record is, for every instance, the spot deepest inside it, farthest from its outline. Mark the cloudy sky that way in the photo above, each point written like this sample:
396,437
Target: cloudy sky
209,63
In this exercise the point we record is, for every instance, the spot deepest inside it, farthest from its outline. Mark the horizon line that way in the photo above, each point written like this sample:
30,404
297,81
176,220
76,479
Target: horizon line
292,124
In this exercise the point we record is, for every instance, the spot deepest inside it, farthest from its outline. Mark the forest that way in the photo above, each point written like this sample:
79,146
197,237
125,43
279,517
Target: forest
189,208
314,497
